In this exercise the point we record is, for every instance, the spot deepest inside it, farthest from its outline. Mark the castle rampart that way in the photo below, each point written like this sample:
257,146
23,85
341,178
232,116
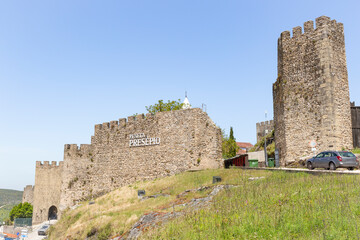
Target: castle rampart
124,151
311,93
139,148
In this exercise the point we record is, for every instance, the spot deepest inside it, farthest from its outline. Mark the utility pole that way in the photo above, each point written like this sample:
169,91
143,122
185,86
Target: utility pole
266,131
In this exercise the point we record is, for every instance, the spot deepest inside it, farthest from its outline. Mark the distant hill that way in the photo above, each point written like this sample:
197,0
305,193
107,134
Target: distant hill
8,199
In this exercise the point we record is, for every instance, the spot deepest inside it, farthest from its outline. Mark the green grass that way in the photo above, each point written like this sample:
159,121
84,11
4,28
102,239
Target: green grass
280,206
115,212
356,150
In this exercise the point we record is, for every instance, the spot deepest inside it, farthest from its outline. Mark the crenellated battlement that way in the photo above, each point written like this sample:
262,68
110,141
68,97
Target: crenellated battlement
72,149
311,91
261,128
265,123
308,27
47,164
121,123
114,125
28,187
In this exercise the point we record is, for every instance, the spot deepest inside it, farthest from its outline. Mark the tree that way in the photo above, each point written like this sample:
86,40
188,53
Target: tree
162,107
231,134
22,210
229,146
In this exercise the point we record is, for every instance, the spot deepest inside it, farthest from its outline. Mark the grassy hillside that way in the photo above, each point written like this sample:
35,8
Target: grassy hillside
114,213
279,206
10,196
8,199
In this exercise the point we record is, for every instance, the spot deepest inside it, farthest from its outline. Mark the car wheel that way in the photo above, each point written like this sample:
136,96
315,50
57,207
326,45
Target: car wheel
310,166
350,168
332,166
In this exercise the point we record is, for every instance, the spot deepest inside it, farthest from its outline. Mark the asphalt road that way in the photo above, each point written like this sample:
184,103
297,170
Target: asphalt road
314,171
35,228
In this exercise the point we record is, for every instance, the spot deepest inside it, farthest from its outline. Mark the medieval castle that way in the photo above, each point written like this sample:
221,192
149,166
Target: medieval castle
122,152
311,104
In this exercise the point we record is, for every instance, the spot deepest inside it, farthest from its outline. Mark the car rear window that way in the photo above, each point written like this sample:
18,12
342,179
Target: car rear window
346,154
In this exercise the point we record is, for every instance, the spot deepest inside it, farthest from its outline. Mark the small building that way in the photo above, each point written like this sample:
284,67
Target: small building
242,160
259,155
237,161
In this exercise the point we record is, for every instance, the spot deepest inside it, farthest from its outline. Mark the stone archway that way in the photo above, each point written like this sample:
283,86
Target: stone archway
52,213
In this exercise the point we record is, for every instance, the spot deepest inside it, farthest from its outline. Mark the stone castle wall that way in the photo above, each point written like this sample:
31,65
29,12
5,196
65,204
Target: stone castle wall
134,149
47,189
261,127
311,93
188,140
28,194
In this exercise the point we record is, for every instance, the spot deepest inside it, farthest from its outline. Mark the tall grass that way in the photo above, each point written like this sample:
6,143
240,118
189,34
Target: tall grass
280,206
114,213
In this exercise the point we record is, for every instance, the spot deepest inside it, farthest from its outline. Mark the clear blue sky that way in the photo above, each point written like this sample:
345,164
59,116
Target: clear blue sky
68,65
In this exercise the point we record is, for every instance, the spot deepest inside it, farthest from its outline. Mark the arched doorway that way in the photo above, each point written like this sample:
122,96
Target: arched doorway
52,213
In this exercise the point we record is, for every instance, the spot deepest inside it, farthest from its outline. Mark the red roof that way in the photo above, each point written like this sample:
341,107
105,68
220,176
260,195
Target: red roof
9,235
244,144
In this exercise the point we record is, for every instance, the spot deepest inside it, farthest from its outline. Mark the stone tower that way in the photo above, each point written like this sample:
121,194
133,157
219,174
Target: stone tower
47,190
262,127
311,93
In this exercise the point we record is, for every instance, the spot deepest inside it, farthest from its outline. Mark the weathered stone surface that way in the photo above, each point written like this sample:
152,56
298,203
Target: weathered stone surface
185,140
28,194
311,93
47,187
261,127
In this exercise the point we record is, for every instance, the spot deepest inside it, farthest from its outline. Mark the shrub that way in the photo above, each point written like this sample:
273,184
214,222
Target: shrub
22,210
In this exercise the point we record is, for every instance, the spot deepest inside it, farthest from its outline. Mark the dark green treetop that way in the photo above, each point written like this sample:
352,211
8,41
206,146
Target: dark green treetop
22,210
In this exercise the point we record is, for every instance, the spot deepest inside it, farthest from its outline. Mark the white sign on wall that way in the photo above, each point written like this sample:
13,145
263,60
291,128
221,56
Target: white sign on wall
140,140
312,143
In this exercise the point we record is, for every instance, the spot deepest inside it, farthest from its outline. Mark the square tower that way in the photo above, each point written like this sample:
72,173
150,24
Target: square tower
311,93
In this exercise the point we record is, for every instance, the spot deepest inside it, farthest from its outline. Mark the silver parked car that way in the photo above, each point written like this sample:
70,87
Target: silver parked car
332,160
43,230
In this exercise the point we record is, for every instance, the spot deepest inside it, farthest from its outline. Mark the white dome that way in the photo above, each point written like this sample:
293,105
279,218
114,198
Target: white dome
186,104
